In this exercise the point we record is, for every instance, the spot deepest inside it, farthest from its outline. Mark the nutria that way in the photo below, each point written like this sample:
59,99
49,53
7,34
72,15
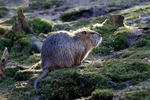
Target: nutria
63,50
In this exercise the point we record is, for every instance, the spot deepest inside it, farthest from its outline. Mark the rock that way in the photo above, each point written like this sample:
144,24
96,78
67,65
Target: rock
59,27
134,36
140,20
147,83
10,63
111,84
127,83
133,88
87,12
97,65
36,44
36,6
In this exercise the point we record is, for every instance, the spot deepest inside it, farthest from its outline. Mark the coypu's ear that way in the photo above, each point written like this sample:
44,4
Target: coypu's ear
84,32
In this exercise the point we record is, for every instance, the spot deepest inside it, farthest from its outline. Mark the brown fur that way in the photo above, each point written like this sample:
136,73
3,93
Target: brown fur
64,50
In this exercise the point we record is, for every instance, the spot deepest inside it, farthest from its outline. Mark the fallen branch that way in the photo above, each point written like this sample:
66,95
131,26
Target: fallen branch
23,21
22,67
3,61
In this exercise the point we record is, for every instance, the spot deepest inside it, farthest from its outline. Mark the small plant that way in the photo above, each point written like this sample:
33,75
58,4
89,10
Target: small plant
102,94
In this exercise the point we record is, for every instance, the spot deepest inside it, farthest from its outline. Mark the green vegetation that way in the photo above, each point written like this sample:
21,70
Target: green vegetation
114,38
102,94
38,24
41,25
127,66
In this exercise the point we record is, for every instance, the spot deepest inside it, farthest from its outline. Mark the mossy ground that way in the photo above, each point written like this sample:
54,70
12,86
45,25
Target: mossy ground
125,68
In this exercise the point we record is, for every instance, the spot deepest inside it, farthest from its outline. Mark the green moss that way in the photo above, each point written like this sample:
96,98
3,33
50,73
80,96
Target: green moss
3,29
137,95
120,38
41,25
142,42
86,22
105,47
75,83
23,75
120,42
102,94
32,59
9,21
10,71
122,70
5,42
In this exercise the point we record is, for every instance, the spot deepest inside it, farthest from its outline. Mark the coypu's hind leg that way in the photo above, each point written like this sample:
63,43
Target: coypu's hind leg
44,74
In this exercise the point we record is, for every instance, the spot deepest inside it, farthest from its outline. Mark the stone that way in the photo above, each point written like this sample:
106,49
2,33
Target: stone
36,44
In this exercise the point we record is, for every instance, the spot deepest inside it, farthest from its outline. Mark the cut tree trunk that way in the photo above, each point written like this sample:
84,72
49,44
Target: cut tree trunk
3,61
117,20
23,22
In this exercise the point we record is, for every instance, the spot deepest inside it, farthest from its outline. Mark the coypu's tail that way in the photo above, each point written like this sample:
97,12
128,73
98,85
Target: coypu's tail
44,74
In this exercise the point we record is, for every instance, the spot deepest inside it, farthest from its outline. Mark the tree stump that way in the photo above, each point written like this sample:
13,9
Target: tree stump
3,61
15,26
117,20
23,21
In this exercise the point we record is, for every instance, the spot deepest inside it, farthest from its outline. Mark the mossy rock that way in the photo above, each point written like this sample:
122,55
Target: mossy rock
41,25
23,75
122,70
121,38
3,11
10,71
72,85
120,41
102,94
105,47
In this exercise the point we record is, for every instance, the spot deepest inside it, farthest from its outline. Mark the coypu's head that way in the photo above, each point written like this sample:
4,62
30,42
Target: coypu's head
91,36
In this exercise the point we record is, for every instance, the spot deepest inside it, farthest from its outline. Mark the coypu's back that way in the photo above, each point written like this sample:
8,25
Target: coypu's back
63,50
